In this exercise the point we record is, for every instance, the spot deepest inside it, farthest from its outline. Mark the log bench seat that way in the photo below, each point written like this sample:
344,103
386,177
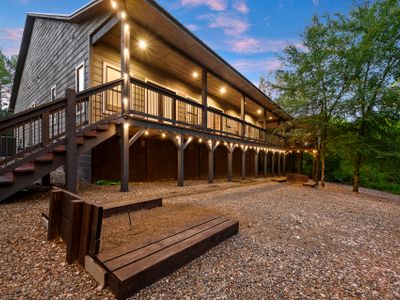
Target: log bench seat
310,183
118,208
134,266
279,179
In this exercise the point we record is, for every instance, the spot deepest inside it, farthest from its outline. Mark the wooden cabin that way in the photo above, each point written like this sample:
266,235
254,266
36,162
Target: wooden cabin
177,109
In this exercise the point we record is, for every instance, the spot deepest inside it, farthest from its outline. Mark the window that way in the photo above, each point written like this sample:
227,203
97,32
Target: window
112,99
80,78
53,93
80,87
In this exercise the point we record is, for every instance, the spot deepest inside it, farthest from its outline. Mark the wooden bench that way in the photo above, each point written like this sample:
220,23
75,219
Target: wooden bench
310,183
279,179
109,210
132,267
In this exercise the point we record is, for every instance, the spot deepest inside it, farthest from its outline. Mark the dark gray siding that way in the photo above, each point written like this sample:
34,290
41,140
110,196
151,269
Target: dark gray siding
55,49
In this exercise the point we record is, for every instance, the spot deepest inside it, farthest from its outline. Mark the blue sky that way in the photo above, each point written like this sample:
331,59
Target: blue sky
247,33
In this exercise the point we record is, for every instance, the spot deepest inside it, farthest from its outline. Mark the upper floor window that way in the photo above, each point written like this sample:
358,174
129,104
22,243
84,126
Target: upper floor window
53,93
80,78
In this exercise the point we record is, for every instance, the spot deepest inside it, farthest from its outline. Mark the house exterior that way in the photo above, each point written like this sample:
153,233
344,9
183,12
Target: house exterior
182,111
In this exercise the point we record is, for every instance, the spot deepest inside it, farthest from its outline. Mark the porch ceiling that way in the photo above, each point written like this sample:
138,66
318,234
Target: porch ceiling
159,55
150,15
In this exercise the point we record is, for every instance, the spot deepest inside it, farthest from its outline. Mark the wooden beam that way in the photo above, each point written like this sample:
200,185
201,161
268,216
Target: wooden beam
265,163
273,164
257,151
124,138
71,166
243,115
125,66
204,97
244,150
137,136
103,30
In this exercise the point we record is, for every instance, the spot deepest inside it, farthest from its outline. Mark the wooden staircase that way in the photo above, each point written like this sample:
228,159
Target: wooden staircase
40,166
35,142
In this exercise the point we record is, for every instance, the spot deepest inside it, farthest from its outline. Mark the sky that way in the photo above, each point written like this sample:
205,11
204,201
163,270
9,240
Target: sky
249,34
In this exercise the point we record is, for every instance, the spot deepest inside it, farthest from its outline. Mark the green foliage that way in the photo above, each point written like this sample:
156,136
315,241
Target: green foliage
108,182
7,70
344,89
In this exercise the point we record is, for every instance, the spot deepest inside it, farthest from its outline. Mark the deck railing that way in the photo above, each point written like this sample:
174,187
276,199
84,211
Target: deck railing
45,126
154,103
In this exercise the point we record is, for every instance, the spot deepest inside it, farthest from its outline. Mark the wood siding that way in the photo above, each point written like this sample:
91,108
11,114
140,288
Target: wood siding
102,54
55,49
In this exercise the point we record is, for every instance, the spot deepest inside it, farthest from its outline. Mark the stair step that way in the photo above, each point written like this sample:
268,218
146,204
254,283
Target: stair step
26,168
44,159
90,134
7,179
60,149
80,140
102,127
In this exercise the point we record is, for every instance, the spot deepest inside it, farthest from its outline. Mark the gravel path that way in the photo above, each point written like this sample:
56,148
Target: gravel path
294,242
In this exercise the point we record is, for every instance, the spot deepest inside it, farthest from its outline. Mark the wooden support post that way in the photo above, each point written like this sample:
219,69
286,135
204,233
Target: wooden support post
279,163
265,163
273,164
181,145
284,164
45,141
71,166
231,148
125,66
244,150
204,98
256,152
124,144
243,115
211,146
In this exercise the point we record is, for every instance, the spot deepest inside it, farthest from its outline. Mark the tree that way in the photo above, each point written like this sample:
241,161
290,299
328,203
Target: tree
7,70
313,82
373,63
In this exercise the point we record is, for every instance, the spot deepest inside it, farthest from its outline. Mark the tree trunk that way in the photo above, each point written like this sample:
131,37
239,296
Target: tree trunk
357,167
317,168
323,165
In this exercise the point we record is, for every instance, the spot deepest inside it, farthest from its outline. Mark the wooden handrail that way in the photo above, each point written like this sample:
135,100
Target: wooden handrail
164,92
32,112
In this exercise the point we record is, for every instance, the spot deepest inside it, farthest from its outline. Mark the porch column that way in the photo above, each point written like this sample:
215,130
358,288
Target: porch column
279,163
244,150
265,163
243,115
125,65
256,150
273,164
284,163
124,144
181,145
231,148
124,133
71,166
204,98
211,146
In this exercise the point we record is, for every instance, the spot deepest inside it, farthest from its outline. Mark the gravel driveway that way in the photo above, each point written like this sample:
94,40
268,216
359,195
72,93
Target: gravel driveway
294,243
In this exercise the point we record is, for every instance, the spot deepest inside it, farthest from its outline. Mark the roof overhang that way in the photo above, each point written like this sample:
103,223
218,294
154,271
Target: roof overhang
156,19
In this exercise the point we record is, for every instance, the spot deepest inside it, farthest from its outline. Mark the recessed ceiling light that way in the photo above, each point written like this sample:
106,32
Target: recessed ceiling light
270,117
223,90
195,75
142,44
259,111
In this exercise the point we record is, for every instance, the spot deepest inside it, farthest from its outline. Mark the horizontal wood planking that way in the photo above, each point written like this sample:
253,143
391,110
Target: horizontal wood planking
125,281
56,48
108,211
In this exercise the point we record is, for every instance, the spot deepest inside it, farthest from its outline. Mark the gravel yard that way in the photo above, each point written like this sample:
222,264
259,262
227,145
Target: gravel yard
294,242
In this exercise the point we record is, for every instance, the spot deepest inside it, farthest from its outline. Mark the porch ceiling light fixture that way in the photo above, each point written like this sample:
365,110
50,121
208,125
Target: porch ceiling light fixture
123,15
163,135
195,75
200,140
146,133
114,4
259,111
142,44
270,117
222,90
